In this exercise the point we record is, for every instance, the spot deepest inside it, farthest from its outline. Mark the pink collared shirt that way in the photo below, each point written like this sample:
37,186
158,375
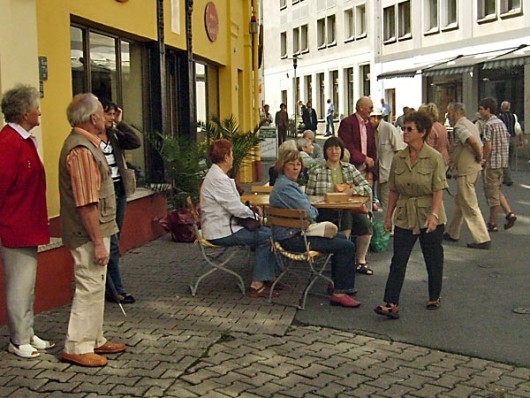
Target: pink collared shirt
363,134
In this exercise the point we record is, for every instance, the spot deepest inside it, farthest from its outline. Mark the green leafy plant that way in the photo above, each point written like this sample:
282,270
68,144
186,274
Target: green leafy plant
244,142
184,168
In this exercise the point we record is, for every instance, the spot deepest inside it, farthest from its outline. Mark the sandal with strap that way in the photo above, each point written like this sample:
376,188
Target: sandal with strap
364,269
389,310
492,227
511,218
262,291
433,304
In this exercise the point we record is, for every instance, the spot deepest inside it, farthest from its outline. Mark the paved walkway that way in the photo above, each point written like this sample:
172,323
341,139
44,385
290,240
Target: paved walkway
223,344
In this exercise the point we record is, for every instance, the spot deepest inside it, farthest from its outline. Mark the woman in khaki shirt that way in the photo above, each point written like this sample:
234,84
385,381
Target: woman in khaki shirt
416,181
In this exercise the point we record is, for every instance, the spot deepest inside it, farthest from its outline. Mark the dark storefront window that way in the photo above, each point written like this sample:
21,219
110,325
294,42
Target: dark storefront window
111,67
444,89
504,85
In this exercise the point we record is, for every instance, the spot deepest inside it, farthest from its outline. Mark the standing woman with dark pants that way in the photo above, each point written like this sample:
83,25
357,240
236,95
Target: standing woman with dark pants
416,181
119,137
23,216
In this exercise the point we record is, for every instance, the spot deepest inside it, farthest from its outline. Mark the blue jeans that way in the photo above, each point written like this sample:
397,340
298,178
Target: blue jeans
330,126
433,254
265,262
342,262
113,267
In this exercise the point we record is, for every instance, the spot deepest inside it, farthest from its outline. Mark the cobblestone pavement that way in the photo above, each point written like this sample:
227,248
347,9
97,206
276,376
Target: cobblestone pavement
223,344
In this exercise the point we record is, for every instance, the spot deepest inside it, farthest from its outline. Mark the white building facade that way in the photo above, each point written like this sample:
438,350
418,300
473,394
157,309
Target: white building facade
405,51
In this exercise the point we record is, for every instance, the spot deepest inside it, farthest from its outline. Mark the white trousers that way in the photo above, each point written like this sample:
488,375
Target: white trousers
85,327
20,270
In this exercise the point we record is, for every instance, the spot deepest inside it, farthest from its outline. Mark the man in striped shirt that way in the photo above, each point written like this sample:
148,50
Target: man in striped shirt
495,155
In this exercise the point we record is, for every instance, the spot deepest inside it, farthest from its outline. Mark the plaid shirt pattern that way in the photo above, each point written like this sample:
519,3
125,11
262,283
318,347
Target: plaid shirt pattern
320,181
495,132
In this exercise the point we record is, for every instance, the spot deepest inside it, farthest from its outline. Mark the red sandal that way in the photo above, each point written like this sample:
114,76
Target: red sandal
389,310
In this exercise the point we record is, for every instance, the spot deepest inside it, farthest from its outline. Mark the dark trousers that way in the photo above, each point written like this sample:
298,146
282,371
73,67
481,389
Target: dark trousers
342,262
113,267
433,254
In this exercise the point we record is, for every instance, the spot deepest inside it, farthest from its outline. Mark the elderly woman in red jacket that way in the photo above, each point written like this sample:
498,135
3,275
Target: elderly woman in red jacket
23,216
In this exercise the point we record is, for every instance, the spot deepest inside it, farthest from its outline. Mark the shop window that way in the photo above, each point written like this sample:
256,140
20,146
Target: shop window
487,10
304,41
365,80
296,41
321,93
404,20
283,44
349,25
360,21
111,67
389,24
510,8
449,15
334,80
308,87
350,99
431,16
321,33
331,27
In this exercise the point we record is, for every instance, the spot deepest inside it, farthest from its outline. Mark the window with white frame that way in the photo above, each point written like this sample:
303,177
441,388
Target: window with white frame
389,24
283,4
296,41
404,20
360,21
321,33
331,27
511,7
304,41
431,16
487,10
449,14
349,26
283,44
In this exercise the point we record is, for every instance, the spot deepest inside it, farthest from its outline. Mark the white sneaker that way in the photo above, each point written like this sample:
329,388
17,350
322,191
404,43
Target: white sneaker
40,344
23,351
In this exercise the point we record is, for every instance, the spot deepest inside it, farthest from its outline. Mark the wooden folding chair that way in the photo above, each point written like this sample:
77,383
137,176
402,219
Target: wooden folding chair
212,254
263,189
296,218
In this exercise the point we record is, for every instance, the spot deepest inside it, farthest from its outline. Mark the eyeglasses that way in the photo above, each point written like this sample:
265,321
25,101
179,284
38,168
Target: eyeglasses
294,164
410,129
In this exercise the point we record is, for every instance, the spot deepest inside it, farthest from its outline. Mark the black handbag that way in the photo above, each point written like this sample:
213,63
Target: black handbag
250,223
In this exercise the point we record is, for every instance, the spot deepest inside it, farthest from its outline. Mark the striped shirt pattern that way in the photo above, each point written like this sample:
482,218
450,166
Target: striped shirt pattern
495,132
84,172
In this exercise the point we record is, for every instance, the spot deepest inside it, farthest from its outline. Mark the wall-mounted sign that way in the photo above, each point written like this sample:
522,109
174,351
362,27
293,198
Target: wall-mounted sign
211,21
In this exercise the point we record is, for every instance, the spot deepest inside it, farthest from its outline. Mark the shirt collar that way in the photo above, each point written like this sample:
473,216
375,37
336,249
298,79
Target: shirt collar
94,139
23,132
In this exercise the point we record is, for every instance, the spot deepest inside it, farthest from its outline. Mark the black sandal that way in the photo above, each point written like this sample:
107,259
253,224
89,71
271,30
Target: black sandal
364,269
511,218
433,304
492,227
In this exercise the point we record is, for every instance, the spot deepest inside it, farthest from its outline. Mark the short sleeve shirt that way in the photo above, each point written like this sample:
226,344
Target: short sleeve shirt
416,184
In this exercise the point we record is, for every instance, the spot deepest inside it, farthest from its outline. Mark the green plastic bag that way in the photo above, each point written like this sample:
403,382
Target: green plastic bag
380,237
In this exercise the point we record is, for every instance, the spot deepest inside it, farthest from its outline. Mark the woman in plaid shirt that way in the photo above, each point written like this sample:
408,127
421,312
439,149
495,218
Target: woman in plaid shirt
334,175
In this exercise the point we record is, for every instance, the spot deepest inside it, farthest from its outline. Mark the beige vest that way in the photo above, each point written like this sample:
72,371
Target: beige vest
462,156
73,231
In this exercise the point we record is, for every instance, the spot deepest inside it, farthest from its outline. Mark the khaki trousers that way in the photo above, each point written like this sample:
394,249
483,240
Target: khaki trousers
20,270
85,327
466,208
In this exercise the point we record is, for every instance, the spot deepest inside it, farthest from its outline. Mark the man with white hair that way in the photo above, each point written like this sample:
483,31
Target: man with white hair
514,128
317,149
465,150
88,212
388,141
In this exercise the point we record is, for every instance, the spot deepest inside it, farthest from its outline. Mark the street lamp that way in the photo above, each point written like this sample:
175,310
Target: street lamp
295,93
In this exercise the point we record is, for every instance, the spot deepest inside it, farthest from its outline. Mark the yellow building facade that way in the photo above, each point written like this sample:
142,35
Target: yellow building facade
114,49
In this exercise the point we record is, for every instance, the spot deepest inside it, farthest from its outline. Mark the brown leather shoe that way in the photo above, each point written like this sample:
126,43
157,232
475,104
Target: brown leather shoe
110,348
89,359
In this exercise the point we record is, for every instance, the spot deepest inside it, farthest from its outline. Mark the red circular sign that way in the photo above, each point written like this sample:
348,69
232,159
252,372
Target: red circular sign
211,21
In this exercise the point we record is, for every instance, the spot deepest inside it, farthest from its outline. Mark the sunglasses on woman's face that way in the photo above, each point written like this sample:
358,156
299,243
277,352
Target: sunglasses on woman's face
410,129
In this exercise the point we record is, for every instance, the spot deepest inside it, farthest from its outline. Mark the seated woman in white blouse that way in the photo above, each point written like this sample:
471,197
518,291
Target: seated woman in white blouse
219,202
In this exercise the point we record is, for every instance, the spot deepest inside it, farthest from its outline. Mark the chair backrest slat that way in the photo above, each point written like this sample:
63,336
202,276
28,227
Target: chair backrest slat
289,218
261,189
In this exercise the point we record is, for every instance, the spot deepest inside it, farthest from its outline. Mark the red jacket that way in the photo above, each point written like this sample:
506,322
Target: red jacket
349,133
23,214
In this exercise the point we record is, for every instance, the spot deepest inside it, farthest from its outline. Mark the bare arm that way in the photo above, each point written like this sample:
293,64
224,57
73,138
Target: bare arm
475,147
393,196
432,221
